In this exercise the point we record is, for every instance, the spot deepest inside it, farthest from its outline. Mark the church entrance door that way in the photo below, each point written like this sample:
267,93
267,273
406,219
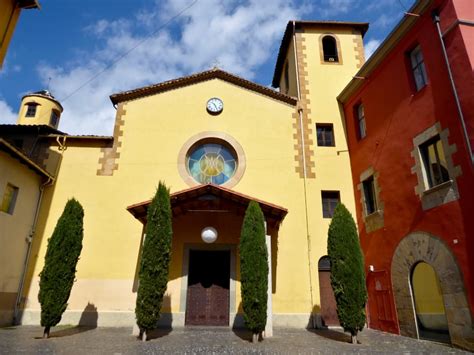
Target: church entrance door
207,300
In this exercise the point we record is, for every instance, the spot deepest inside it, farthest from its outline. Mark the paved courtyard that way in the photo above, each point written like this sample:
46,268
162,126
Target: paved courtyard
82,340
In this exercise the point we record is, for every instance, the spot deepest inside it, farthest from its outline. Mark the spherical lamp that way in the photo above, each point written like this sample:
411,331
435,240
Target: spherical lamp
209,235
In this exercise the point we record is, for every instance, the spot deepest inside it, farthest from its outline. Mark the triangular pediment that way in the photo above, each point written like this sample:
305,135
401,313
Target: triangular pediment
197,78
209,198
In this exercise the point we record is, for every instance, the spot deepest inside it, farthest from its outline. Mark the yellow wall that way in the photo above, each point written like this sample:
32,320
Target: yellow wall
426,289
43,111
428,297
14,229
332,164
292,89
8,18
155,129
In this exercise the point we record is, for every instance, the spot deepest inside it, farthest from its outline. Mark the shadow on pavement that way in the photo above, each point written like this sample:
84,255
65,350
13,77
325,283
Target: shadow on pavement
88,321
332,334
157,333
243,334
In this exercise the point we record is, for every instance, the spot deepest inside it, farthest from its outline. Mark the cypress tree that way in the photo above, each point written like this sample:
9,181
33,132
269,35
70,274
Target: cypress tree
59,271
254,270
347,271
154,268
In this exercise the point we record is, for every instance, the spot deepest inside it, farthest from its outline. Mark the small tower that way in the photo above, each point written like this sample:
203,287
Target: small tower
40,108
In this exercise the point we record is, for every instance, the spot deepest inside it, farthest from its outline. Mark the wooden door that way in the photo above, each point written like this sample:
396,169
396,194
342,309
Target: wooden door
208,288
328,301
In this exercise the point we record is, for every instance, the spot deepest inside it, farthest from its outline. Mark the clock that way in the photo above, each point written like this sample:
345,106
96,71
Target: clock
214,106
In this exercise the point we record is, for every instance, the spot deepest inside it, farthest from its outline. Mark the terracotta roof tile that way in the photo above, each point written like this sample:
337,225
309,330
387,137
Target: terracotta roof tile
196,78
275,212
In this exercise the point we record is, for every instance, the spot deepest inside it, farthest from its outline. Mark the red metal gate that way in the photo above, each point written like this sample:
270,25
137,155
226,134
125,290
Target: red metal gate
382,314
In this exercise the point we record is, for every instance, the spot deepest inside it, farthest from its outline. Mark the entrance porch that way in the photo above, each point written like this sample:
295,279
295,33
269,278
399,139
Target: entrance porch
204,278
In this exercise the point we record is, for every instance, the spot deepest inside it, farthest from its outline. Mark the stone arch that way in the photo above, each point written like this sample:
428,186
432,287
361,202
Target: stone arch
422,246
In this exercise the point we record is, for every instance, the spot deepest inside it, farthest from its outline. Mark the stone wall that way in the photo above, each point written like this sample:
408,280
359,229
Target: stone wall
421,246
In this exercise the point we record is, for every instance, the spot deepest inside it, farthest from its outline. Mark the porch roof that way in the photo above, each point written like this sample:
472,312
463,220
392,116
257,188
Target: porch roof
212,198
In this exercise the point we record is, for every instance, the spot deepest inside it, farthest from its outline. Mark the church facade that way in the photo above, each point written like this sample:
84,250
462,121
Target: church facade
217,141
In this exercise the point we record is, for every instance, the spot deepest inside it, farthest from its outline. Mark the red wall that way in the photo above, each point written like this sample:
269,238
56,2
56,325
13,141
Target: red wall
395,114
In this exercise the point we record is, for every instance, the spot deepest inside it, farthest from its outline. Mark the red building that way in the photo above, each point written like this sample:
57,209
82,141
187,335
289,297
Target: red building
410,130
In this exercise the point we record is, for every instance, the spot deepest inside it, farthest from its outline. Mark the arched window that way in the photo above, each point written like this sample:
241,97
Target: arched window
324,264
330,49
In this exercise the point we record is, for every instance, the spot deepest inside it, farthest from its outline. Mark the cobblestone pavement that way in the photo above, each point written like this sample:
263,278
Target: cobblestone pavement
115,341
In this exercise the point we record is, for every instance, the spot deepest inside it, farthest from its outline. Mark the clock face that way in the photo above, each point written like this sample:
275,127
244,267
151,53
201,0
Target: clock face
215,105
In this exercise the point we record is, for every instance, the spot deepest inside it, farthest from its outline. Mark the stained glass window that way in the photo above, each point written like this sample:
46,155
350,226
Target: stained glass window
211,163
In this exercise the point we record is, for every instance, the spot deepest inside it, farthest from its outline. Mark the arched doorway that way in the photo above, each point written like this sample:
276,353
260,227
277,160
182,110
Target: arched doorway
429,304
423,247
328,302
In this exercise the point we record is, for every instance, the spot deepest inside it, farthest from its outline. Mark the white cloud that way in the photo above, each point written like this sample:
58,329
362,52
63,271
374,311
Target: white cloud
331,8
239,35
385,21
7,115
371,46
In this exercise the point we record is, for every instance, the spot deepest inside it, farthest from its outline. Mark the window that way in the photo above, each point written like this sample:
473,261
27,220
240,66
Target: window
330,49
9,199
287,79
53,121
361,121
31,109
325,135
212,163
435,170
370,199
434,162
330,200
418,68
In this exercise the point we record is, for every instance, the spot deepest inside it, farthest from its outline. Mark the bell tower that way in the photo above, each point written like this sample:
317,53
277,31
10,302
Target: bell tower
315,62
39,108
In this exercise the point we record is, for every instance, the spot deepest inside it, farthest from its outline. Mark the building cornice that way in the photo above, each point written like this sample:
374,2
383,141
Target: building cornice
406,23
197,78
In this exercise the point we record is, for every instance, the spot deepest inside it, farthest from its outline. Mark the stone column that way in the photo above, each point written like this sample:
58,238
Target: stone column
269,326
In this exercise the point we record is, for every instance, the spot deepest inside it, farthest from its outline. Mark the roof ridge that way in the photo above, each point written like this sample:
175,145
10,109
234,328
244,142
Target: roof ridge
197,77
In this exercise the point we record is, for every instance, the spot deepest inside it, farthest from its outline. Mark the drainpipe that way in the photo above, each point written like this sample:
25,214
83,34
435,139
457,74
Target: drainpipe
436,21
29,238
305,194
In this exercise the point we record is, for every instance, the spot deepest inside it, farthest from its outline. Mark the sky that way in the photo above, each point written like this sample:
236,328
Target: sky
85,50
